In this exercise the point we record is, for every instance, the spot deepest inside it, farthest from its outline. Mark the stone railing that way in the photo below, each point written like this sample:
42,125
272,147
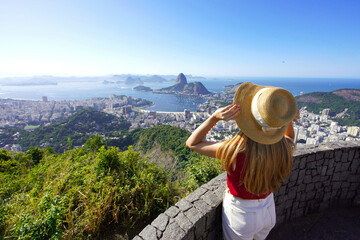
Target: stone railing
322,177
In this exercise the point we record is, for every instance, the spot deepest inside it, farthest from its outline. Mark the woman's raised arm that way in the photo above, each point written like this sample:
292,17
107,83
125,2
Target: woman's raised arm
196,140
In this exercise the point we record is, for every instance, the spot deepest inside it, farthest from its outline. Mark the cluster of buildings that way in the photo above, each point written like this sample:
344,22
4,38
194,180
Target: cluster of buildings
27,114
312,129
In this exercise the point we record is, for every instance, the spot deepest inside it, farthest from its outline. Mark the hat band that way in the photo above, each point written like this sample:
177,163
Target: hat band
255,111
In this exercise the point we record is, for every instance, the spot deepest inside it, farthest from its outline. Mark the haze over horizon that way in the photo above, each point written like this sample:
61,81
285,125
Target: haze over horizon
202,38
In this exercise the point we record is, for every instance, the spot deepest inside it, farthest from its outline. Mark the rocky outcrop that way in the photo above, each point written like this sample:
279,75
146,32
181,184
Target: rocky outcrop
142,89
181,79
182,87
196,88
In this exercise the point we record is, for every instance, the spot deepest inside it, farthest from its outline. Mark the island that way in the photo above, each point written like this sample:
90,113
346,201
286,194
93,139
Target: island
181,86
142,88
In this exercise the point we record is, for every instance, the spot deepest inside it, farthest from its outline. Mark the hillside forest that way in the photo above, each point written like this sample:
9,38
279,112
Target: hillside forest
89,186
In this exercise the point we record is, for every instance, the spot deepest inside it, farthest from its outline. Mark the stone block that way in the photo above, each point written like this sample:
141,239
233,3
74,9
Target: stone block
137,238
357,153
291,184
301,187
319,186
338,167
351,155
302,163
319,195
190,235
293,176
344,175
301,176
319,156
211,198
202,206
327,154
354,165
172,211
345,157
220,192
354,178
289,203
320,162
307,179
327,196
314,172
193,215
345,167
148,233
338,154
214,235
183,222
174,232
192,197
310,187
310,195
336,185
316,178
331,162
310,158
336,176
184,205
330,171
211,219
161,222
159,233
206,186
200,227
323,170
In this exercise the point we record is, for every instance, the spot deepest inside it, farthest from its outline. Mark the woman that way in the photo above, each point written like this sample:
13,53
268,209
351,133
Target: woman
256,160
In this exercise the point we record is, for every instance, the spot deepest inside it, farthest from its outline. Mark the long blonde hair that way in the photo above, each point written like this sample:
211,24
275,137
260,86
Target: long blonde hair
266,165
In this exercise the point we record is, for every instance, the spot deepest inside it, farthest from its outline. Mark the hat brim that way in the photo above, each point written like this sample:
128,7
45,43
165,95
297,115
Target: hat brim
245,120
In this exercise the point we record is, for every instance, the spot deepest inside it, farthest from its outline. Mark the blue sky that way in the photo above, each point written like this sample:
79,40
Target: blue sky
208,38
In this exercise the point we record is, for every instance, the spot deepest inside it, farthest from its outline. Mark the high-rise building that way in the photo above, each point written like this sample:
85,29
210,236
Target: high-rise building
153,114
353,131
187,113
45,98
325,111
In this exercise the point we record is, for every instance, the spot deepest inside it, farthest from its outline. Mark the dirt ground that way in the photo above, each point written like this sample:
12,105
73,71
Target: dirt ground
340,223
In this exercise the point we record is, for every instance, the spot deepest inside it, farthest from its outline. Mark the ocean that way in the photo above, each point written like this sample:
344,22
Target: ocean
166,102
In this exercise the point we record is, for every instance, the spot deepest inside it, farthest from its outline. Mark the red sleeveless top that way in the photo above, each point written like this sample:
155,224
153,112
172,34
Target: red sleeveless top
235,181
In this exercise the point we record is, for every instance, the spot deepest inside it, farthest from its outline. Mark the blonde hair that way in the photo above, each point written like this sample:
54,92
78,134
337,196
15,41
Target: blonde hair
265,166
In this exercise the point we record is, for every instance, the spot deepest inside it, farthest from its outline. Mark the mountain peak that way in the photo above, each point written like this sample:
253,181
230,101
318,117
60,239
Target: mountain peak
181,79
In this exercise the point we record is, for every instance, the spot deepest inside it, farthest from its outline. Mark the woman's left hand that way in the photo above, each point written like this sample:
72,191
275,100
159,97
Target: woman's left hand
227,113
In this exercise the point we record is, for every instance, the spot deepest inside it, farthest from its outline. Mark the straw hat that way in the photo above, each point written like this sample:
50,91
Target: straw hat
265,112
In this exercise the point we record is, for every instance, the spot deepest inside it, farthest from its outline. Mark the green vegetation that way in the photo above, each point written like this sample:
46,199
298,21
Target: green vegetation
337,104
29,127
77,194
79,128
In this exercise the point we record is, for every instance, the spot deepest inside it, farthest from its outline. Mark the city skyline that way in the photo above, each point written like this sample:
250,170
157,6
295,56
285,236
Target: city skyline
205,38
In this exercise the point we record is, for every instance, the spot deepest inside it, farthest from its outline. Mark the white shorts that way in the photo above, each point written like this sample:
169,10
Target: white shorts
247,219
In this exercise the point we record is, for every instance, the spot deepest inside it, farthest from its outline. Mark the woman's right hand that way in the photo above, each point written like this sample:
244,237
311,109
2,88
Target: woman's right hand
227,113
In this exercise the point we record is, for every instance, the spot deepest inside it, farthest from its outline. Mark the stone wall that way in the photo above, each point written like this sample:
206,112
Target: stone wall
322,177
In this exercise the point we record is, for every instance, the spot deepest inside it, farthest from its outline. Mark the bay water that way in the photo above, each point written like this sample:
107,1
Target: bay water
166,102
